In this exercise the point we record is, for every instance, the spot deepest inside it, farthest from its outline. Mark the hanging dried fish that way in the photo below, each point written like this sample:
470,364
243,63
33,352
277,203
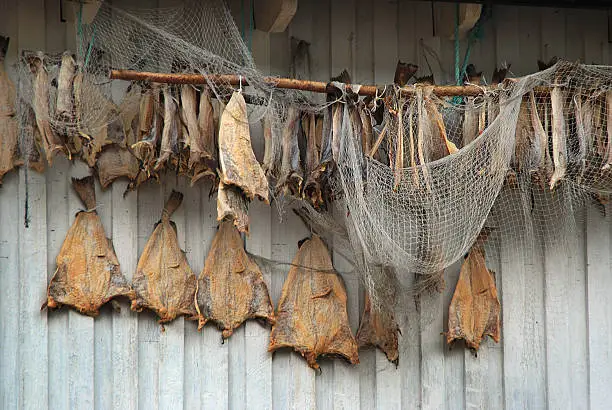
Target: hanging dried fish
170,133
526,153
584,129
470,121
337,117
366,126
326,139
558,136
239,166
442,146
64,110
404,72
203,152
290,181
51,142
413,158
474,311
311,315
541,140
272,147
608,158
8,122
378,328
231,288
32,145
164,282
233,206
189,106
150,126
312,187
88,273
399,148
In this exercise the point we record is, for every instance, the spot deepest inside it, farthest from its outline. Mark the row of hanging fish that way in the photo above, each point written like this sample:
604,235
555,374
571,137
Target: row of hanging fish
311,316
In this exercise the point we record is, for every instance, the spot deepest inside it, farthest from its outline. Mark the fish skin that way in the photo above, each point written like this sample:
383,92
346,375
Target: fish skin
239,167
290,180
272,147
189,107
558,137
231,288
88,273
169,140
311,315
64,110
164,282
312,188
233,206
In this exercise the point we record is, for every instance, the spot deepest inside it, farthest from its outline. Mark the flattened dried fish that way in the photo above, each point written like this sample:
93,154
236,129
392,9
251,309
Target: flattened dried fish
169,141
290,181
64,110
311,315
88,273
164,282
231,288
33,144
51,142
558,136
239,166
608,159
272,147
312,187
525,159
116,162
8,122
233,206
379,329
474,311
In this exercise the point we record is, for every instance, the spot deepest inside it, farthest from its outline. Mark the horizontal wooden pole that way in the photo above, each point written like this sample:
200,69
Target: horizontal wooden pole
286,83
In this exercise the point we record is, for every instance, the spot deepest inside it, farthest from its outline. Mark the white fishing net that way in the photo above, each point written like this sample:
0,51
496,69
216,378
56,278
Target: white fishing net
521,158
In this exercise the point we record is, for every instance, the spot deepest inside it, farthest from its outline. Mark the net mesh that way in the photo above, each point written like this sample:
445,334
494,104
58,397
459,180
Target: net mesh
521,158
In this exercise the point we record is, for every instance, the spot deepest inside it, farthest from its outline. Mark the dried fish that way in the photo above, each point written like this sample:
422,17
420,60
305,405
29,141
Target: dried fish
312,187
470,122
116,162
239,166
51,142
399,148
311,314
290,181
231,288
608,159
64,110
474,311
584,129
8,122
326,139
558,136
169,141
525,159
366,126
233,206
148,135
164,282
272,147
32,145
378,328
88,273
337,117
404,72
541,140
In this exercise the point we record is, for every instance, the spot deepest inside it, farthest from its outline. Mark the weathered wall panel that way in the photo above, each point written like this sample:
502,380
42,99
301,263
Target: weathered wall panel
556,348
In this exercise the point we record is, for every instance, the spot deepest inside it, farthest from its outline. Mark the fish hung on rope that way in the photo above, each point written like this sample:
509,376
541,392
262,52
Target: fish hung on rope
291,172
31,146
311,317
559,128
170,134
232,205
88,273
203,160
378,328
164,282
8,122
312,187
52,143
231,288
272,146
474,311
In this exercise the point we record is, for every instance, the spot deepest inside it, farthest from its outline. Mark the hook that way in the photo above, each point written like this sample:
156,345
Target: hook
240,83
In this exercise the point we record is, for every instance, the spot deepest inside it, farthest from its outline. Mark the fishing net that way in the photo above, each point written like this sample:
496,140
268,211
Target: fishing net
521,157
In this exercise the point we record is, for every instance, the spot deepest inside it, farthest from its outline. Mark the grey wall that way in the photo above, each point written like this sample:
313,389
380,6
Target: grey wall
556,348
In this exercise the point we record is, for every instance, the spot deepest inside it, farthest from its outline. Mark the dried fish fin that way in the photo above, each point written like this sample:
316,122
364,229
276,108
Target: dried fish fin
558,137
474,311
379,329
233,206
88,273
229,294
313,326
239,166
164,282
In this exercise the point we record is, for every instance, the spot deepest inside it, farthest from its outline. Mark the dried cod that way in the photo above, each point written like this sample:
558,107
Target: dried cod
312,187
558,136
311,315
474,311
203,152
608,156
378,328
164,282
239,166
170,133
8,122
290,180
233,206
231,288
88,273
64,110
272,147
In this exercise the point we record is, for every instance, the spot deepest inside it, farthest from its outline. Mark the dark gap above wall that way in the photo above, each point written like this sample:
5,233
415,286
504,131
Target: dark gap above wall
581,4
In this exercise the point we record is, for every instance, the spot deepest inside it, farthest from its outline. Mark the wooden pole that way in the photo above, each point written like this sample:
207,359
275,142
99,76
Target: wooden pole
286,83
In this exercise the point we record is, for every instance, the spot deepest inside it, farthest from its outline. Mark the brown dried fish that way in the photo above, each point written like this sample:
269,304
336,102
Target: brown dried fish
64,110
378,328
164,282
231,288
290,180
51,142
398,164
523,159
337,117
8,122
470,121
233,206
88,273
272,147
311,315
366,126
474,311
608,158
148,135
33,152
169,140
312,187
239,166
558,136
189,106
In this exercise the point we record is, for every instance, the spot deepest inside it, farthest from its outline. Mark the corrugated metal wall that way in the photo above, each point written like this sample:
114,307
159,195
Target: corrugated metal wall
556,348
